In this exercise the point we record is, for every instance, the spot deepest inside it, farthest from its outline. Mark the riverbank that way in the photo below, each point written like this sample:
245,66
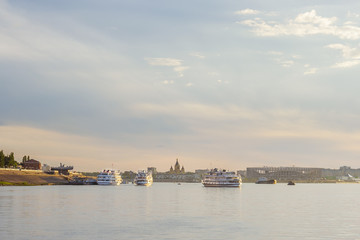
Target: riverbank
16,177
244,180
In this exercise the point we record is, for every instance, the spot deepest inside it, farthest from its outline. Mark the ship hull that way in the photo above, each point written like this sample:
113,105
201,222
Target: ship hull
266,182
143,184
109,183
221,185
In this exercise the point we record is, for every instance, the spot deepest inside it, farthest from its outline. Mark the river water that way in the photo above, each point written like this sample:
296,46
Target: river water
186,211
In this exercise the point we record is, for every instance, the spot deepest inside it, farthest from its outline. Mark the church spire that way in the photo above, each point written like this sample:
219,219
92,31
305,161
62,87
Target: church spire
177,167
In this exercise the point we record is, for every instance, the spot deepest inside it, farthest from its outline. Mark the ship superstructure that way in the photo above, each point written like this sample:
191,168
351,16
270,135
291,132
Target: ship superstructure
143,178
109,177
221,178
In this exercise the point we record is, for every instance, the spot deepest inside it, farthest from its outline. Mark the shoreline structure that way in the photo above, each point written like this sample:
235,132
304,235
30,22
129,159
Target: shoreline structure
31,172
21,177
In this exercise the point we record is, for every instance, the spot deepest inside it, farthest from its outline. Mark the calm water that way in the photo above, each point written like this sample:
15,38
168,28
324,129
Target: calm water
187,211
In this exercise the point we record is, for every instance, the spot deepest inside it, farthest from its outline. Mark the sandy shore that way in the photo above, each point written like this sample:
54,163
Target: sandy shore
17,177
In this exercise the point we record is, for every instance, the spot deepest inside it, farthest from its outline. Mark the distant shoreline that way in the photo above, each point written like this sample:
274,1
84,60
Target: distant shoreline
16,177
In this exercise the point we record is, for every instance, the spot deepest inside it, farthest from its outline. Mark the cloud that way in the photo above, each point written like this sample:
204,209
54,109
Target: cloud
310,71
219,81
84,153
213,73
199,111
53,147
258,125
276,53
283,61
197,55
286,63
350,55
164,61
24,39
168,82
353,15
168,62
308,23
180,70
247,11
346,64
347,52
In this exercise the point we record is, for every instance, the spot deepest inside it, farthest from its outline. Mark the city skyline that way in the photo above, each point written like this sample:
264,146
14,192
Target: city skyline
215,84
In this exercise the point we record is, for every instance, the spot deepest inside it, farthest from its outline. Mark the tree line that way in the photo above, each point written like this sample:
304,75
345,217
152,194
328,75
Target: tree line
8,161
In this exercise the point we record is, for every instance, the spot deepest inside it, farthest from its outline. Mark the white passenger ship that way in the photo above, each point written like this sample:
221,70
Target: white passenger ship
218,178
143,178
109,177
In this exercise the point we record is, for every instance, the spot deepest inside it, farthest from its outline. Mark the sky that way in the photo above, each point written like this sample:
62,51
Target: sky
136,84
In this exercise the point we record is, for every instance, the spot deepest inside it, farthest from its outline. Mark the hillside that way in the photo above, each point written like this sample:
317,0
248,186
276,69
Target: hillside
17,177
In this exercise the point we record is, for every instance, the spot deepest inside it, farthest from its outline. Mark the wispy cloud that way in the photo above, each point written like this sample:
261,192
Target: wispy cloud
347,52
164,61
353,15
166,82
219,81
310,71
180,70
346,64
247,11
286,63
168,62
197,55
276,53
24,39
351,56
308,23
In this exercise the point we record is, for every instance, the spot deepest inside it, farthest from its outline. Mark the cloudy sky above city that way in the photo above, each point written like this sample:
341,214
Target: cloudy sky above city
229,84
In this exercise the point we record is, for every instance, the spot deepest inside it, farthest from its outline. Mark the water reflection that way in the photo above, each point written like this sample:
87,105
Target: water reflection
187,211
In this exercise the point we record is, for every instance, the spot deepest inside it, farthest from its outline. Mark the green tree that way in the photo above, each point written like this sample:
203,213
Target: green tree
12,162
2,159
24,159
7,160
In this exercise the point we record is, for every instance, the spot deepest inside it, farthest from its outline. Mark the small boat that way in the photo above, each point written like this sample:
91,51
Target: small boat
143,178
90,181
221,178
264,180
291,183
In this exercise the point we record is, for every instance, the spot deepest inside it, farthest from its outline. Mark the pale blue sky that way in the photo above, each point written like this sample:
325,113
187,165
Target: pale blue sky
227,84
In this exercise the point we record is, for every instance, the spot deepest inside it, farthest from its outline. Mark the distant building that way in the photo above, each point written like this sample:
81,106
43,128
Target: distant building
32,164
177,169
62,169
152,169
342,171
284,173
201,171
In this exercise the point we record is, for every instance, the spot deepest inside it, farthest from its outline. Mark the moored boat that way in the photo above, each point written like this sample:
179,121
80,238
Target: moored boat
221,178
264,180
291,183
143,178
109,177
